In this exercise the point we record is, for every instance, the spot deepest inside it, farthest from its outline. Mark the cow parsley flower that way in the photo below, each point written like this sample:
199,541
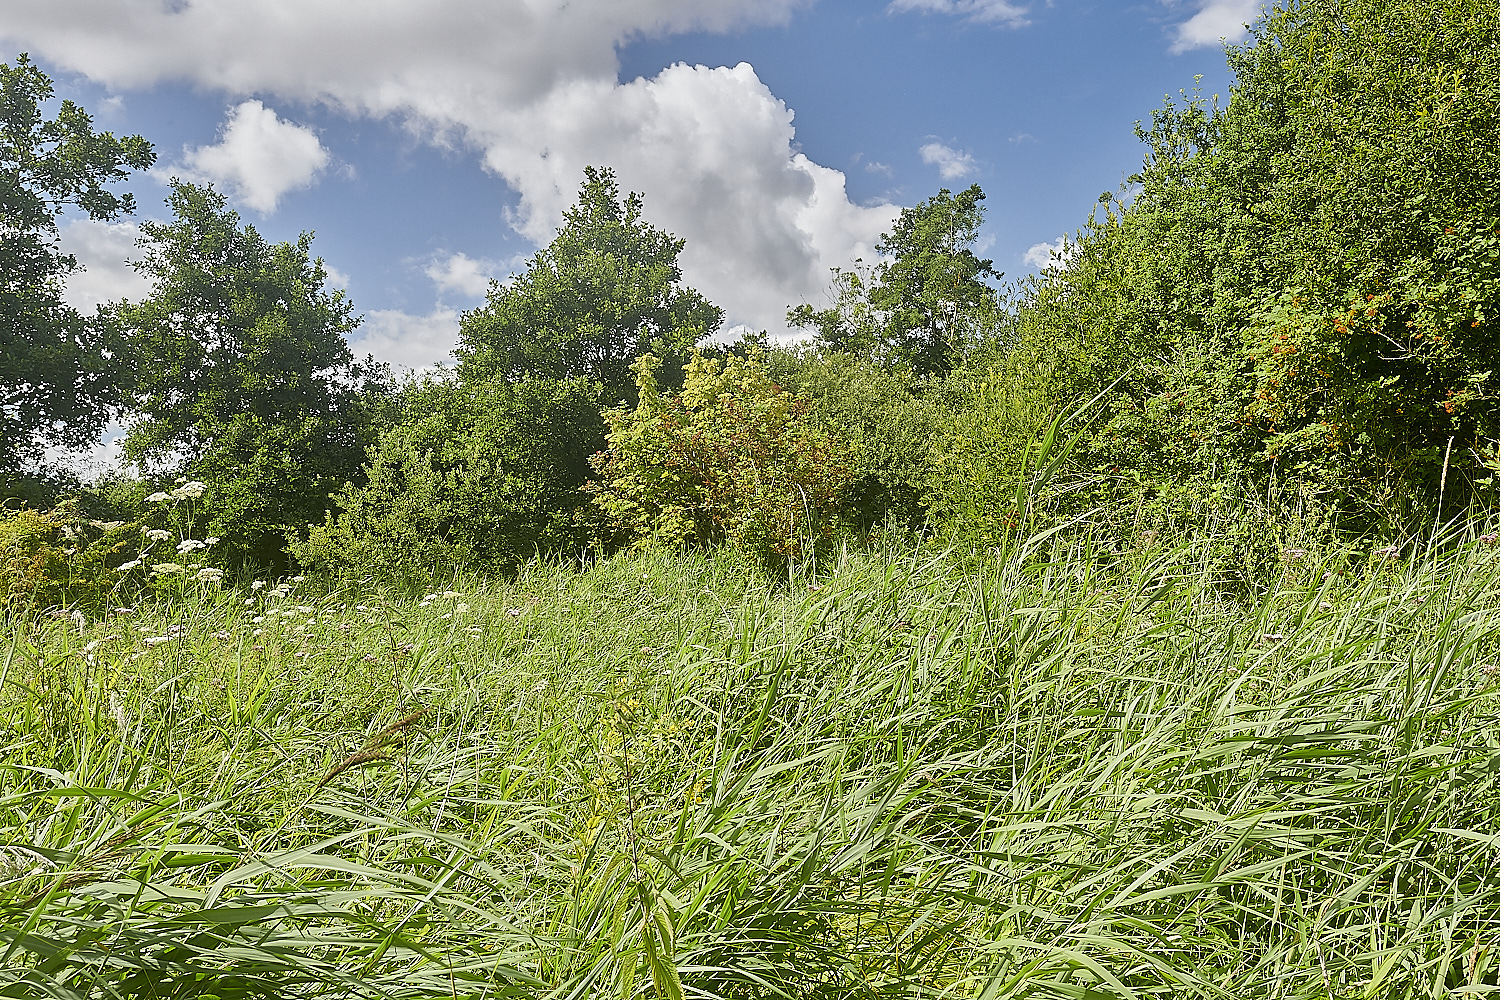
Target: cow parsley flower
166,569
190,491
191,545
209,575
157,535
159,498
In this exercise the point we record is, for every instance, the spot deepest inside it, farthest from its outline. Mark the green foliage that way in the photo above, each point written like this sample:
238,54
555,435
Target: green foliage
1301,293
606,290
60,375
1084,776
243,374
56,558
733,458
886,416
925,305
485,474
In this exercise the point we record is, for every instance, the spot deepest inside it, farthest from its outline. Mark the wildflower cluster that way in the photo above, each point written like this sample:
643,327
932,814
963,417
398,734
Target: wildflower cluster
174,508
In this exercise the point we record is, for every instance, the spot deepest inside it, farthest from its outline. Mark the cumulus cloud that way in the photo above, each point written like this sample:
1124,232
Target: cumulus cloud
405,340
979,11
259,157
461,273
1217,21
1050,256
952,164
534,86
712,151
103,249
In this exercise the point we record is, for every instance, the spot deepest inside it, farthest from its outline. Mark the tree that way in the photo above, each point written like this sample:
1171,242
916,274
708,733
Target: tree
928,301
1303,286
243,378
605,291
59,374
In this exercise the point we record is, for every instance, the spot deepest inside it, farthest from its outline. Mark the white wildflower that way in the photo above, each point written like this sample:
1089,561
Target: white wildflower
461,609
190,491
159,498
258,585
157,534
191,545
209,575
298,579
127,567
166,569
157,640
212,540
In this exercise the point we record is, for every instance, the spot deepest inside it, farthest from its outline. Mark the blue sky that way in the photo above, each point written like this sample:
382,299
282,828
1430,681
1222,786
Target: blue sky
432,146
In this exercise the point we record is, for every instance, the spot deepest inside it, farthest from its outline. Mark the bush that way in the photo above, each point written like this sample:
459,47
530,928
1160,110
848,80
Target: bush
887,415
486,474
53,558
733,458
1302,294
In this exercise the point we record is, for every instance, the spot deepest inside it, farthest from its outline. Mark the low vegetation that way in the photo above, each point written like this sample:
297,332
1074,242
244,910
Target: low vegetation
1088,776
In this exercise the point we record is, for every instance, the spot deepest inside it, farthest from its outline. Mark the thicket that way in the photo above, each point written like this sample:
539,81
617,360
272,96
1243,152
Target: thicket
1281,332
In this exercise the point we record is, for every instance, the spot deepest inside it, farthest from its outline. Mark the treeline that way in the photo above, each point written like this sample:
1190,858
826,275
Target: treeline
1282,330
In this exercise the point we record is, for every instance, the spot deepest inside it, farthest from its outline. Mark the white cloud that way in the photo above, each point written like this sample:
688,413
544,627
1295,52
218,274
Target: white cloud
979,11
462,274
1217,21
1050,256
533,85
952,164
335,277
407,341
102,248
259,156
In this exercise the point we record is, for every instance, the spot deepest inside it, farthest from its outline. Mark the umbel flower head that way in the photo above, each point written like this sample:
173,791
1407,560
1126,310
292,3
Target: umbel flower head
189,491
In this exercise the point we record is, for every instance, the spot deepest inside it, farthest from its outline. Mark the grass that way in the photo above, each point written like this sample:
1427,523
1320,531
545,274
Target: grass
664,776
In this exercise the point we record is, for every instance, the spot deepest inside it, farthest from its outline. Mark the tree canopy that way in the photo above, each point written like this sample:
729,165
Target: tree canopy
59,372
605,291
927,301
242,372
1302,284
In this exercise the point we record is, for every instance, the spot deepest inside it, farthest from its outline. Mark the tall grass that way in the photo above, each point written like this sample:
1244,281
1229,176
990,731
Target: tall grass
1090,777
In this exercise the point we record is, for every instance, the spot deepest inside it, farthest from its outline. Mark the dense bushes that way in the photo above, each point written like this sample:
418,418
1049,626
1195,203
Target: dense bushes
50,558
481,473
733,457
1302,291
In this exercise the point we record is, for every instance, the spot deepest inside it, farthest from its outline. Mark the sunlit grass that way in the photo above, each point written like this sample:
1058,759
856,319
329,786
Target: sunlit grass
664,775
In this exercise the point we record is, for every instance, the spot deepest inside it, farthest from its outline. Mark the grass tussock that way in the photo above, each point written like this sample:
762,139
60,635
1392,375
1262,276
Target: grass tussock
661,776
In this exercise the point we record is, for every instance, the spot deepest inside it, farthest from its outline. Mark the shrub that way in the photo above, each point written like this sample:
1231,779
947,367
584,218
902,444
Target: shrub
54,557
732,458
484,473
887,415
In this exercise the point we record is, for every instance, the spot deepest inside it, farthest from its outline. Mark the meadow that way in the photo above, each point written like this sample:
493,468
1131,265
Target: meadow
1064,771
